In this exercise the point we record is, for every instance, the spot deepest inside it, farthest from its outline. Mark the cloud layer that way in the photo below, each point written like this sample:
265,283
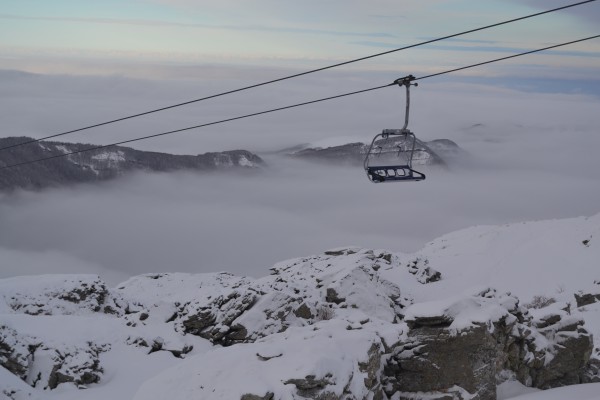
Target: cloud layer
533,156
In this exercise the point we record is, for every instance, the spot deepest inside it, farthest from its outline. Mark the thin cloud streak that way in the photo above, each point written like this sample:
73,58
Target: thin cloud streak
588,13
153,23
486,49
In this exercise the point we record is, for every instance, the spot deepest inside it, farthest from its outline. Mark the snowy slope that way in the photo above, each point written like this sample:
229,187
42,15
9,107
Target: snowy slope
334,324
589,391
553,258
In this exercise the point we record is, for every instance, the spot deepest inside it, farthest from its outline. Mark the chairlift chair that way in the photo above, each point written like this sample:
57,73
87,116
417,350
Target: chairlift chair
391,153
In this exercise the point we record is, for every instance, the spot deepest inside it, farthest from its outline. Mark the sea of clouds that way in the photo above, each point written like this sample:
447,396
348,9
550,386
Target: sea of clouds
530,156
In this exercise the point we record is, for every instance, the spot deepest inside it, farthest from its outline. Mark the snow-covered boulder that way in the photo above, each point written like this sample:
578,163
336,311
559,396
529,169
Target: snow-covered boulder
56,295
299,292
466,343
589,296
14,352
52,366
455,347
559,354
324,361
45,364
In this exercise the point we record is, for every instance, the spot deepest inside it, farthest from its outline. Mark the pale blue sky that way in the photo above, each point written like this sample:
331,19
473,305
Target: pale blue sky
40,35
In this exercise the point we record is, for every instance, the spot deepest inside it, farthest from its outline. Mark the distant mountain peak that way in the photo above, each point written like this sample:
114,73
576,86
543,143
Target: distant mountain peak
101,164
436,152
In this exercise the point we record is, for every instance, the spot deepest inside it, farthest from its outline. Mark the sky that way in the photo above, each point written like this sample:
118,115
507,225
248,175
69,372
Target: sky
83,36
530,126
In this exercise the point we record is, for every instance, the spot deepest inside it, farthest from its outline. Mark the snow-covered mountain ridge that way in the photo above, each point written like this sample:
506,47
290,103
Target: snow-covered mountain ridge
439,152
474,309
101,164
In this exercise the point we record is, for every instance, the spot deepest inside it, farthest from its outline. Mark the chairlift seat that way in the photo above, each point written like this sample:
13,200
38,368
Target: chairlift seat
393,173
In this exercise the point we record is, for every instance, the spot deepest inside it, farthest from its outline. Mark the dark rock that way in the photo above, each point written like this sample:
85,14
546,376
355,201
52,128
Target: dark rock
180,353
138,341
436,360
431,275
237,333
80,366
15,352
422,271
386,256
539,301
568,366
214,321
268,396
267,358
435,321
332,296
303,312
592,373
157,345
548,320
310,387
340,252
199,321
585,299
372,368
56,378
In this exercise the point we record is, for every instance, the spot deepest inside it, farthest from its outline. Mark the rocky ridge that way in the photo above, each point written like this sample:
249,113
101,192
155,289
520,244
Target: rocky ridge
101,164
436,152
340,325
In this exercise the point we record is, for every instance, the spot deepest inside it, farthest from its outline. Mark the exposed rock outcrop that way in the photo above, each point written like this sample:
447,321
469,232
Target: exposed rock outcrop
560,355
46,365
420,268
591,296
592,374
299,292
14,352
300,363
51,366
341,325
444,350
58,295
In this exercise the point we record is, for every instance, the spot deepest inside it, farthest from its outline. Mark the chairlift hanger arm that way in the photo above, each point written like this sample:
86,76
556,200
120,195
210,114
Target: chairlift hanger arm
406,81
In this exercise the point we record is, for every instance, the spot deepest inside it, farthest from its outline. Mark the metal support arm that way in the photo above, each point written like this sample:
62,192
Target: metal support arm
406,81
